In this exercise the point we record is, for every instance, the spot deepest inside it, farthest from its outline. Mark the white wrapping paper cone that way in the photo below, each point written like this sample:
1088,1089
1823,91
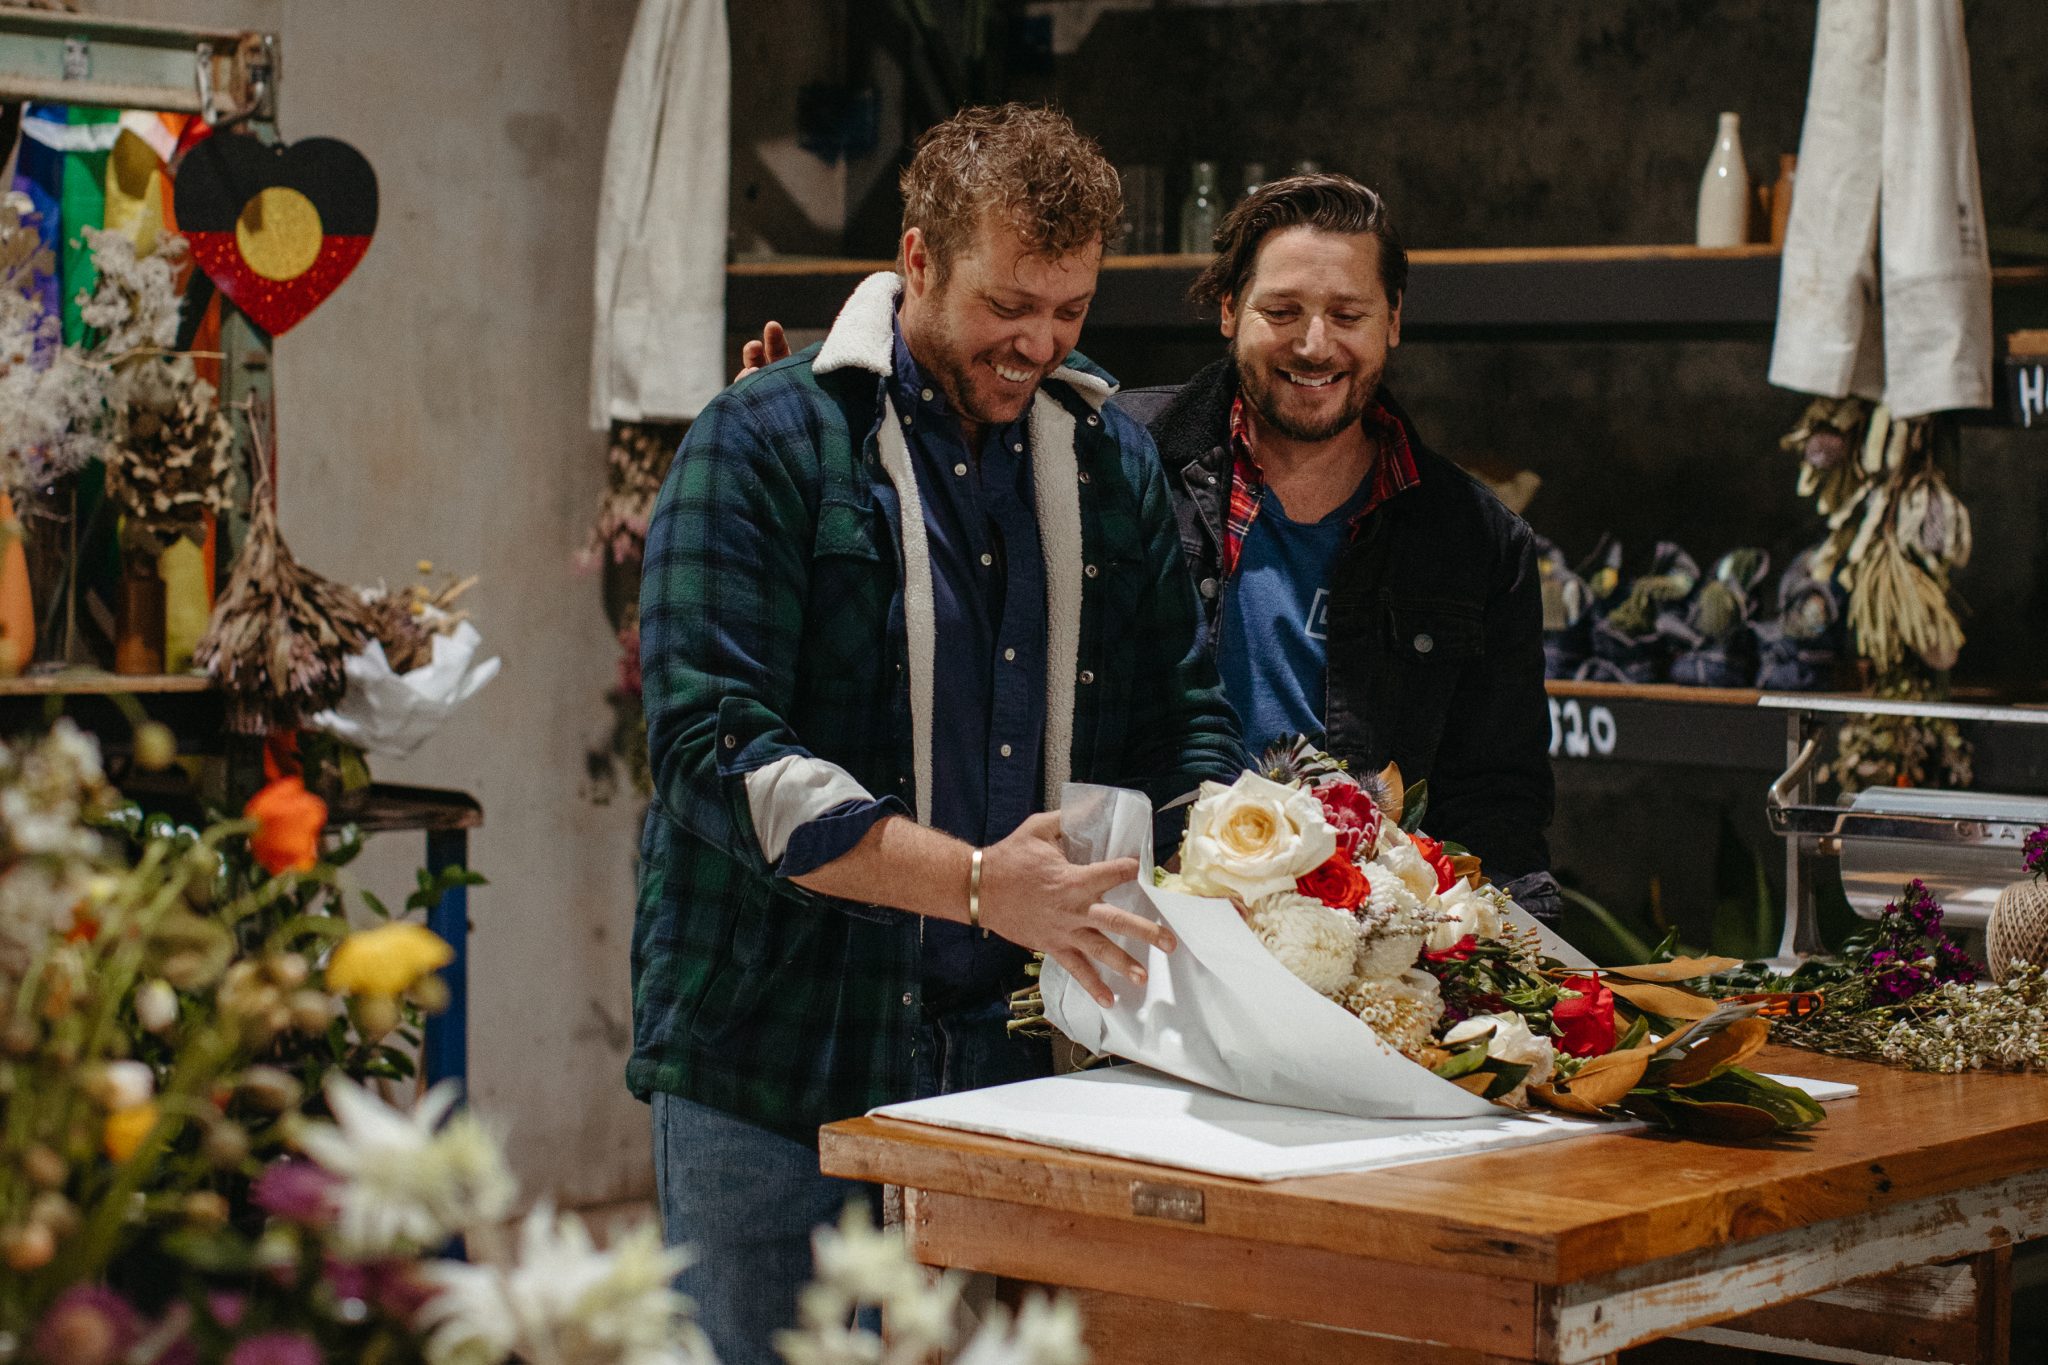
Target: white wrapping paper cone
1220,1010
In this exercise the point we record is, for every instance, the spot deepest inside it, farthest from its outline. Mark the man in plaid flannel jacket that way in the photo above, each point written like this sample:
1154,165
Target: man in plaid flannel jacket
802,615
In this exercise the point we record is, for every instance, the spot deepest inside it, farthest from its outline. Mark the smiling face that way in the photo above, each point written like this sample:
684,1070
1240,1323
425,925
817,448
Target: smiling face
1311,332
1000,320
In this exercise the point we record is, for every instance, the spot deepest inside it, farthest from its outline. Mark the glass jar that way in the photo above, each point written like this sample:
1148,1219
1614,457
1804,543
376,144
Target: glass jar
1199,212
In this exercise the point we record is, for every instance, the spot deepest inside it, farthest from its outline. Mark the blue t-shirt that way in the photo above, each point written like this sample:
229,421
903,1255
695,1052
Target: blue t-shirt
1272,642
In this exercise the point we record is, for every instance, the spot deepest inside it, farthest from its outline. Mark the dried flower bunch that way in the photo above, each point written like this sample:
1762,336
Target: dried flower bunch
635,464
406,622
172,462
280,633
50,397
1903,992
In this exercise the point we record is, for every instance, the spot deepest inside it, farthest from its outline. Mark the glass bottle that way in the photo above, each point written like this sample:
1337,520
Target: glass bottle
1724,190
1199,211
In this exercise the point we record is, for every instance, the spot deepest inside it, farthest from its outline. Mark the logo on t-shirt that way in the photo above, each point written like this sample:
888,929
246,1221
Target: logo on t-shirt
1317,626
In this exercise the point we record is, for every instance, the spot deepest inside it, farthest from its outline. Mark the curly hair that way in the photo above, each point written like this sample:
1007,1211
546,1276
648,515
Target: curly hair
1330,203
1028,165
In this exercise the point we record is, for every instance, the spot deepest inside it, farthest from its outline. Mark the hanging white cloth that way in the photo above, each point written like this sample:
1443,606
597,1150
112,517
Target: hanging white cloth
1885,289
658,351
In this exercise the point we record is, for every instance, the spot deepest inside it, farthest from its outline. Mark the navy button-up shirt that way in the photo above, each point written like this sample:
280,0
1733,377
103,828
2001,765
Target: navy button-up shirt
988,703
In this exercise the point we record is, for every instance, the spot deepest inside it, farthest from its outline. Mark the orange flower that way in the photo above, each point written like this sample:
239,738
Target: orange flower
289,820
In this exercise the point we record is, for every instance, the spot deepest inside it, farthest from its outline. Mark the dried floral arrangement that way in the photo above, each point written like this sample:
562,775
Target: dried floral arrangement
280,633
405,622
636,460
1896,534
1903,992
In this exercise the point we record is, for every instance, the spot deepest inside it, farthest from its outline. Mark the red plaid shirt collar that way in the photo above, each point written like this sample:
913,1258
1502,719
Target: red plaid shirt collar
1393,471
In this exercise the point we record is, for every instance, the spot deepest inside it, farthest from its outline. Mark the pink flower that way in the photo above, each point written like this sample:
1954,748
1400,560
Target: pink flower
297,1191
275,1348
1348,810
87,1325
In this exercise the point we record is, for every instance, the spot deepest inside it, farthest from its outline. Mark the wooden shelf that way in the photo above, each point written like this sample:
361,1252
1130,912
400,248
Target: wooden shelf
91,682
387,806
1602,292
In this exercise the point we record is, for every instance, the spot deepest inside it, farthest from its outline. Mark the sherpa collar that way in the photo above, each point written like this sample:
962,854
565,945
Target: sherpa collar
862,338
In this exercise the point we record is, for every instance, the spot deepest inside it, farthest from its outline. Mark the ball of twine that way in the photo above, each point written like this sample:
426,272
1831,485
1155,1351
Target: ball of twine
2018,931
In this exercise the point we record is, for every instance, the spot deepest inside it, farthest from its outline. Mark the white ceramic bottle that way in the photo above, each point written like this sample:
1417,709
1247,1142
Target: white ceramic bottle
1724,189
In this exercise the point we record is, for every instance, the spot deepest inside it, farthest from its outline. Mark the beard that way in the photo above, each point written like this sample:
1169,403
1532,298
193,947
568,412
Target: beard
970,387
1286,408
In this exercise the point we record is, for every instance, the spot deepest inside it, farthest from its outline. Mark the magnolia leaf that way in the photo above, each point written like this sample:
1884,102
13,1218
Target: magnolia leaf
1714,1119
1603,1080
1728,1047
1637,1031
1665,1000
1569,1101
1465,865
1389,792
1505,1076
1465,1060
1477,1083
1677,969
1414,806
1793,1107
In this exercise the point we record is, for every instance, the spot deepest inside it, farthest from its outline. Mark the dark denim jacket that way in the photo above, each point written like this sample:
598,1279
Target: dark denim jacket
1435,636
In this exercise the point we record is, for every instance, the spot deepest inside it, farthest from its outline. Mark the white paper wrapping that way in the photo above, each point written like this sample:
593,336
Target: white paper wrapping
1220,1010
385,712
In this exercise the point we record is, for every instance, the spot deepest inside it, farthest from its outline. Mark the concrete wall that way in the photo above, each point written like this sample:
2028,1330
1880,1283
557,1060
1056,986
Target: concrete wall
434,408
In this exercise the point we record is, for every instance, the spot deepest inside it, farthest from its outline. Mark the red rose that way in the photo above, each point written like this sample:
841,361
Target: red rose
1350,812
1432,852
1457,952
1337,883
1586,1024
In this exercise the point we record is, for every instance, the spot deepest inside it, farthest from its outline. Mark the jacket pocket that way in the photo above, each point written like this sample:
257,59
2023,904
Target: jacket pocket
1425,632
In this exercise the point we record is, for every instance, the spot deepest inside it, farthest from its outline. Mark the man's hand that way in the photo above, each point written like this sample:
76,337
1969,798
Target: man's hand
1032,896
755,355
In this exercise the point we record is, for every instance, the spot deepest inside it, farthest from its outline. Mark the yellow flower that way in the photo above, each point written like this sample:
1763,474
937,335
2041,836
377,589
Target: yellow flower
386,960
126,1128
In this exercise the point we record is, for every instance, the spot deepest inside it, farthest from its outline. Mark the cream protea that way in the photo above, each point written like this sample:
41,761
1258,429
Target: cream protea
1466,910
1313,941
1405,861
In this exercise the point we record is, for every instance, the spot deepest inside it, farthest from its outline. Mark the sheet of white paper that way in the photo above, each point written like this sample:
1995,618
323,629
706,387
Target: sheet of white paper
1820,1090
1140,1115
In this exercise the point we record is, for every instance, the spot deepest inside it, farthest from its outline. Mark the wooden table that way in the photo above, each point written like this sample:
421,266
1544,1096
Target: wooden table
1564,1252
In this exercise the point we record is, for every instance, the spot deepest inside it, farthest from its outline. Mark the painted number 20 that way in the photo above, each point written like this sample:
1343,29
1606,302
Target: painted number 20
1577,732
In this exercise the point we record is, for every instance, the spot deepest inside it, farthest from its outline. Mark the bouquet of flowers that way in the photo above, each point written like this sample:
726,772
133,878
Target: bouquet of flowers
1334,875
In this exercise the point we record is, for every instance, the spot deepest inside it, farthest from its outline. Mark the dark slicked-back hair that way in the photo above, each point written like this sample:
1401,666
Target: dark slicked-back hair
1328,203
1026,164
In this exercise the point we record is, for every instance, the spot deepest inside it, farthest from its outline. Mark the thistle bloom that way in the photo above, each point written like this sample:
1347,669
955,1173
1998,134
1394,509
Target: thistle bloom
87,1325
408,1180
388,960
289,820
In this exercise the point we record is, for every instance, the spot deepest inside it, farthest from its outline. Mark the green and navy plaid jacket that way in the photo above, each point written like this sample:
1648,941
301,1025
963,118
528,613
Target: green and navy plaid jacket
778,618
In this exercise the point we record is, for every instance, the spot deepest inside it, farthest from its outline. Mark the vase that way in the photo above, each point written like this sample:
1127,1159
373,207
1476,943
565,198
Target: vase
1199,212
188,604
17,600
2018,928
1724,189
49,526
139,618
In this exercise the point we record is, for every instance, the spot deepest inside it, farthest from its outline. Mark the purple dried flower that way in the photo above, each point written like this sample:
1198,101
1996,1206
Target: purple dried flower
297,1191
87,1325
2034,852
1951,963
227,1308
275,1348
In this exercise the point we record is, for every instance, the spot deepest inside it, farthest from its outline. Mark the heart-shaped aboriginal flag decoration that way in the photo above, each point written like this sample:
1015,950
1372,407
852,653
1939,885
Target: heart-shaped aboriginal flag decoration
276,228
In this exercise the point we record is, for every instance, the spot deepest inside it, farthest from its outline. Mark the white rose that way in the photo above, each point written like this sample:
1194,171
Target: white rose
1466,911
1312,940
1512,1042
1253,839
1391,836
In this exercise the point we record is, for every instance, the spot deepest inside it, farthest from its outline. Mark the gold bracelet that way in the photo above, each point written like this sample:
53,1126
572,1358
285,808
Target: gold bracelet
974,891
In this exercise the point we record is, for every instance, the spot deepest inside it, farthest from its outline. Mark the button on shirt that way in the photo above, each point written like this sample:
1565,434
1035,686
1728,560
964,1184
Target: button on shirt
988,698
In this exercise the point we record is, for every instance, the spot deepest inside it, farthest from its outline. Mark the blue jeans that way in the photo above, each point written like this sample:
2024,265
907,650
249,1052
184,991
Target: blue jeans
746,1199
